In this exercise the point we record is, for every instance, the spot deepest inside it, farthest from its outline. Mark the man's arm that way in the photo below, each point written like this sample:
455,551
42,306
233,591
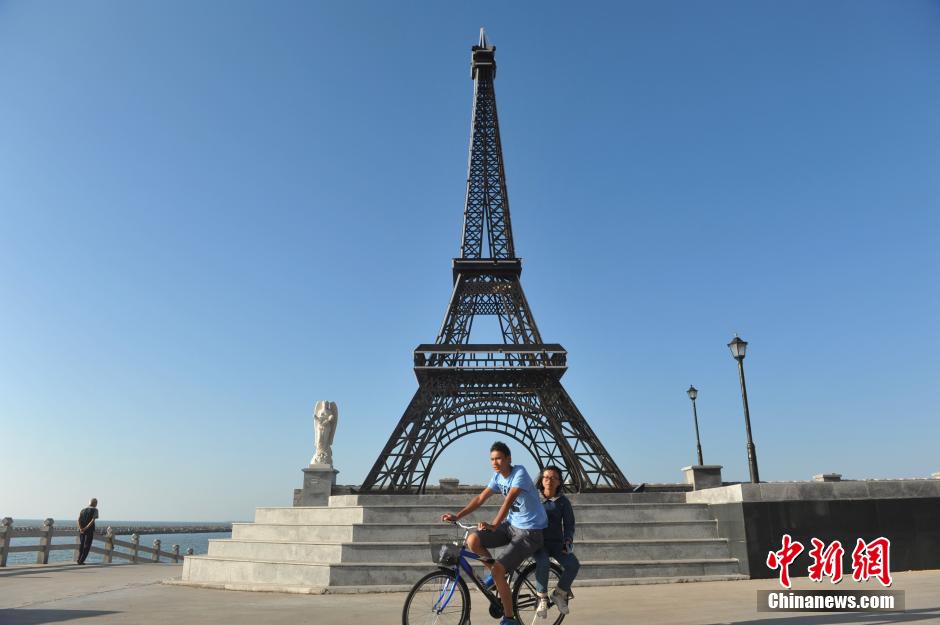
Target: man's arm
475,503
507,504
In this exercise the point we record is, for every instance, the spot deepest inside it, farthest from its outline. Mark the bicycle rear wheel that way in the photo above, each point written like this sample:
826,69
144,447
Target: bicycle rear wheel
439,598
525,598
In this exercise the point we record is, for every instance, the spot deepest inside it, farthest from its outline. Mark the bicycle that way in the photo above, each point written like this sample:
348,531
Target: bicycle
442,597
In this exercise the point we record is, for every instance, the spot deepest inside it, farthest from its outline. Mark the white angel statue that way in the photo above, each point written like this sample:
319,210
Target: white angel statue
325,416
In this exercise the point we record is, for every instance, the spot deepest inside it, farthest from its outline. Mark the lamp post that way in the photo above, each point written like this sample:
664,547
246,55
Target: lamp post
738,347
693,393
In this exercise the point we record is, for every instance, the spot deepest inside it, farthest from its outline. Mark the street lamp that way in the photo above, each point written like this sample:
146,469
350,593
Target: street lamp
738,348
693,393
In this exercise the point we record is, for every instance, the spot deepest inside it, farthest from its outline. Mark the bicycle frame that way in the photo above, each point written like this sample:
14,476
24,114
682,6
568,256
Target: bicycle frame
463,564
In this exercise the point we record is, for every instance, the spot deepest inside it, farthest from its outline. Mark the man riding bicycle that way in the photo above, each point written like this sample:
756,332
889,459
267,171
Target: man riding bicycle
518,524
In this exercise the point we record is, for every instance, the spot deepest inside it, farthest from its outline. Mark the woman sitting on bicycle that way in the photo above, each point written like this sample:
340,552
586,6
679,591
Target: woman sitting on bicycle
557,539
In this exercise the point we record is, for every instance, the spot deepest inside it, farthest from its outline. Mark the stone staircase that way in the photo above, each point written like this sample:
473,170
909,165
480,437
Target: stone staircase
380,543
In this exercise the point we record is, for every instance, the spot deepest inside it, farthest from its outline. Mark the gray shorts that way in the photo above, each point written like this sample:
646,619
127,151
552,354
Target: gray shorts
520,543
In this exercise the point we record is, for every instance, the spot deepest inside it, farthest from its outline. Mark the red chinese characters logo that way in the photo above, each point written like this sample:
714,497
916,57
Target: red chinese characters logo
783,558
826,562
869,560
872,560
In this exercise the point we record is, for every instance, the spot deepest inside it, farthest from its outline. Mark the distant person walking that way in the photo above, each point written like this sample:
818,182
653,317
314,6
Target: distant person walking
86,529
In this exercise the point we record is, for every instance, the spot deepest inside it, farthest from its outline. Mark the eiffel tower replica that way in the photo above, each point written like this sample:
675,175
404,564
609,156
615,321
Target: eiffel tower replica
512,388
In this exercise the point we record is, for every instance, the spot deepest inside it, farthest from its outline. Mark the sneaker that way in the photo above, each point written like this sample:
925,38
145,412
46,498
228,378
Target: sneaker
560,597
509,620
541,610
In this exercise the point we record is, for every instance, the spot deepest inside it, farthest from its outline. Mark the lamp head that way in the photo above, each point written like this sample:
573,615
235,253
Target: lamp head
737,347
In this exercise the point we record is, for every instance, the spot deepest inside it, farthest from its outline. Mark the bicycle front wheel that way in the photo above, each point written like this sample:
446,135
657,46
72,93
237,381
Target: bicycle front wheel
439,598
525,598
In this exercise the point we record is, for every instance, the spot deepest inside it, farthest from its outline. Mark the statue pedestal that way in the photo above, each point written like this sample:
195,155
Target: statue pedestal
319,480
703,476
450,485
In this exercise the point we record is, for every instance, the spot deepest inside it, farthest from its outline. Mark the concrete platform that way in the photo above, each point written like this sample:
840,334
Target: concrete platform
133,594
382,541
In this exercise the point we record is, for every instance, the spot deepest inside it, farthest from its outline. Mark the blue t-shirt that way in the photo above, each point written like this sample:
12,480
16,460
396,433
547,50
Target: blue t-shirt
526,512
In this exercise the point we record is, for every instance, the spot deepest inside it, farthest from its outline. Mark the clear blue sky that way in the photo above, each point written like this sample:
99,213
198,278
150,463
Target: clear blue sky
214,214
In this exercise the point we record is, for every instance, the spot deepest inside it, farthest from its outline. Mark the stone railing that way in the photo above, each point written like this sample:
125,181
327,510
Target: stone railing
134,551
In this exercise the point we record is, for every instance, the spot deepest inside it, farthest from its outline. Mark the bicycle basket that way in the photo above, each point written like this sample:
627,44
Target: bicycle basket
445,550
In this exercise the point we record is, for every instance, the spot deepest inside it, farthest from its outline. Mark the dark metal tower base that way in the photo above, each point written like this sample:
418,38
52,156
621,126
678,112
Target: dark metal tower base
513,390
527,404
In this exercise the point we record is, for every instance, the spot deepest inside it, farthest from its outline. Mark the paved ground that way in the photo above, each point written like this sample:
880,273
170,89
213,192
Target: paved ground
132,594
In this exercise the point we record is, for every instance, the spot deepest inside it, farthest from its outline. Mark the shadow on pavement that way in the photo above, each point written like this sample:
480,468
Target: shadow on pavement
867,618
26,616
49,568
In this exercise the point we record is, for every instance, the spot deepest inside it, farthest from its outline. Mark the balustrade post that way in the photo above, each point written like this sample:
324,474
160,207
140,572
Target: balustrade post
176,553
189,551
7,529
135,539
156,550
45,539
108,544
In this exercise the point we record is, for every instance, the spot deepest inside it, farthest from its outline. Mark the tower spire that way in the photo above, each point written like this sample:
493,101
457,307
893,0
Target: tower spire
486,211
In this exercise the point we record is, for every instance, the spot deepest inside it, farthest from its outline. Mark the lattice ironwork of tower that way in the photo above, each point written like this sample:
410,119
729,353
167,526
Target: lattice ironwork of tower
512,388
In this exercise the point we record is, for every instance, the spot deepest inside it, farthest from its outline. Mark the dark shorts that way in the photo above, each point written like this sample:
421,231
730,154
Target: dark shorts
519,543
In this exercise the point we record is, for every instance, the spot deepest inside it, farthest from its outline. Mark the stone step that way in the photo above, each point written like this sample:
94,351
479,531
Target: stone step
419,532
312,515
658,568
420,513
302,533
648,530
337,590
209,569
631,550
419,552
461,499
219,570
318,552
366,574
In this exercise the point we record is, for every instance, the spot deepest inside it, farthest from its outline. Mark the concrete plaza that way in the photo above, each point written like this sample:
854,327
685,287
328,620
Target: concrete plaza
135,594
